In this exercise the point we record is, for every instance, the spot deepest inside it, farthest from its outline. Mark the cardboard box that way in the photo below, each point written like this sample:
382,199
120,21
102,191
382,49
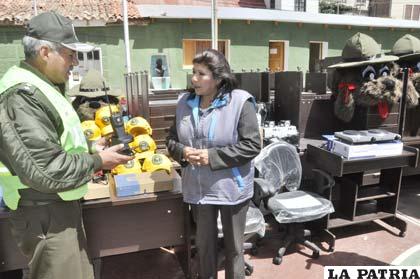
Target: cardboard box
371,150
97,191
147,182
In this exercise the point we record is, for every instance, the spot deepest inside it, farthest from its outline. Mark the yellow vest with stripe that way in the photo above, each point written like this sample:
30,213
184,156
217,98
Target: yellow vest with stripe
72,139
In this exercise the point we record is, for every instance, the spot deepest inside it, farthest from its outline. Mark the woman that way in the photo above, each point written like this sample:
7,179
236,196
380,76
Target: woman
215,138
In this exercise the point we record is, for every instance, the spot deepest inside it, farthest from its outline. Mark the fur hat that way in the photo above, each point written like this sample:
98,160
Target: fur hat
365,78
413,85
361,49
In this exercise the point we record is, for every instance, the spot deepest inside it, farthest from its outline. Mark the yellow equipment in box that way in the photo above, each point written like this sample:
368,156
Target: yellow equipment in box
131,184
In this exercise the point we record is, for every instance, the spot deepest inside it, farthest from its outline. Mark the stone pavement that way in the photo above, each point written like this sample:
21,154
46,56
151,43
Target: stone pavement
372,243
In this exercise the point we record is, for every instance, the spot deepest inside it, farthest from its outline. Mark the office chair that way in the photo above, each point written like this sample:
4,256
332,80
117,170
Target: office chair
277,188
254,227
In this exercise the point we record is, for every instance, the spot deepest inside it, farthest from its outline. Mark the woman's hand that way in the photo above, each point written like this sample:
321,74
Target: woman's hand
191,155
204,157
199,157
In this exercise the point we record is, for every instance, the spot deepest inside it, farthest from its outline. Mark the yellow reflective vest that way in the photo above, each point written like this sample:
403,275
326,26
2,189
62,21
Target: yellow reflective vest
72,139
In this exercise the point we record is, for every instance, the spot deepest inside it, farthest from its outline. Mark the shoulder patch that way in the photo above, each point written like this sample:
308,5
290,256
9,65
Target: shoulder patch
25,88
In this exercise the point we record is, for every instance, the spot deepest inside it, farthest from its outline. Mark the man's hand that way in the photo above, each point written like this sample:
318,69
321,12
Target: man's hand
111,158
101,144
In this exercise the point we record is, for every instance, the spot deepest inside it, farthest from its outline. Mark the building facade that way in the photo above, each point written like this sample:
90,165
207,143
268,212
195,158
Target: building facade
282,41
380,8
309,6
406,9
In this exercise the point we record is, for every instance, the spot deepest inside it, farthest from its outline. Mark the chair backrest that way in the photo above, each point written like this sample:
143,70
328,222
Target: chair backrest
279,164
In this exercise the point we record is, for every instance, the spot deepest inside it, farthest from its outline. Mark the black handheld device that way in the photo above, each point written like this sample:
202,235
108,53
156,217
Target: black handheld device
117,123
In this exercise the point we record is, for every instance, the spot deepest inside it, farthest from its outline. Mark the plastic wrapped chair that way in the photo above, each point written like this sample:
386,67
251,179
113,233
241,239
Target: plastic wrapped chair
254,226
277,188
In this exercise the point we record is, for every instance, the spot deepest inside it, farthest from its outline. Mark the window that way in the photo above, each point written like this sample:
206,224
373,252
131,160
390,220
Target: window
87,61
412,12
193,47
317,52
300,5
272,4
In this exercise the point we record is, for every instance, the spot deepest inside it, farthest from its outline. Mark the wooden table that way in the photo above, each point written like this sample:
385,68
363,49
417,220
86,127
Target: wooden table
121,225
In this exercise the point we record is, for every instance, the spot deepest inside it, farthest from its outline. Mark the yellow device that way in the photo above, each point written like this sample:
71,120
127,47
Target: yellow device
143,145
103,115
132,166
138,126
157,162
91,130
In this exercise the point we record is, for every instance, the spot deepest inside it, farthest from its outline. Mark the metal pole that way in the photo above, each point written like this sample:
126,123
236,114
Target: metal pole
403,103
34,6
126,37
214,32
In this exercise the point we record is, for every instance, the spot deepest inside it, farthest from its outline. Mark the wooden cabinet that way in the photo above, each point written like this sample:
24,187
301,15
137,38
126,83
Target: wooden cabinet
311,113
357,199
256,83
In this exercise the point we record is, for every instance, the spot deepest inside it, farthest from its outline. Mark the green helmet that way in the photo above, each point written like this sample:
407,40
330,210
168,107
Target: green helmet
407,47
361,49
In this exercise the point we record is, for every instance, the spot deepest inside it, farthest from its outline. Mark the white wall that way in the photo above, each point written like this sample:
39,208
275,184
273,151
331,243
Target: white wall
312,6
398,7
288,5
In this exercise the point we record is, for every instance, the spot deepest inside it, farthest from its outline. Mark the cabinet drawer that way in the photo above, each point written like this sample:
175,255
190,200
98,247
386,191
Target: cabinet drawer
375,120
162,110
130,228
371,177
162,121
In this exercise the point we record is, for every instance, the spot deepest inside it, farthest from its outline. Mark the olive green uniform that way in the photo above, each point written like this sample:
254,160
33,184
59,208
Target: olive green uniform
48,230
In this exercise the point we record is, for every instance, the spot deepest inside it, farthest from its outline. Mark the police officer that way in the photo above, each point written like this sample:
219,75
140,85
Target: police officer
43,146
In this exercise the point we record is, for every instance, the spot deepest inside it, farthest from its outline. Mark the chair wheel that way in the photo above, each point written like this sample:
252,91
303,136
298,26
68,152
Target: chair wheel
277,260
315,254
249,270
402,234
254,251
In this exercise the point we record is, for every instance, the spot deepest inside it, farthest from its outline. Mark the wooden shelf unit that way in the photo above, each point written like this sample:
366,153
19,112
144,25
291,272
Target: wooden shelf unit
356,202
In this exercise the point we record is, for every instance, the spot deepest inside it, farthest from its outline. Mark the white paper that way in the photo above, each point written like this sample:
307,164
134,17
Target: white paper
300,202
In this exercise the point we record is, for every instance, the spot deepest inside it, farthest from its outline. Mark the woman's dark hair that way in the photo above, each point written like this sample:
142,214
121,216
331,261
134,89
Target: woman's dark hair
216,62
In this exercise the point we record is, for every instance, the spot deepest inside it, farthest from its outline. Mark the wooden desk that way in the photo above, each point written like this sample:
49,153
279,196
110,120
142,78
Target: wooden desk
354,199
120,226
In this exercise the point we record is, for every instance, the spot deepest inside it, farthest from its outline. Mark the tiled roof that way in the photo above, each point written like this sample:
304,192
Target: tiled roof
221,3
17,12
